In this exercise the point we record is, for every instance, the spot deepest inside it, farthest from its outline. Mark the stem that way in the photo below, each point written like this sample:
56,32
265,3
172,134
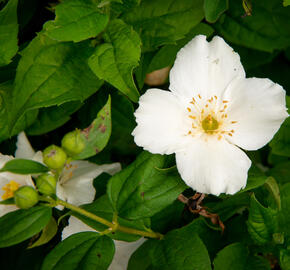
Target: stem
112,226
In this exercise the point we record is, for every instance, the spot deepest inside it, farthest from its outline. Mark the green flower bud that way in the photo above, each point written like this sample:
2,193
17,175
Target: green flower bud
25,197
54,157
46,184
73,143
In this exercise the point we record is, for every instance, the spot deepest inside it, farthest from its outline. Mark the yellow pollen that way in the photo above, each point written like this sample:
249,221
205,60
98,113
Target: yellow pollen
220,137
189,132
209,124
193,99
225,106
9,189
206,105
202,111
233,122
215,97
192,117
189,109
232,131
226,115
225,101
199,96
230,134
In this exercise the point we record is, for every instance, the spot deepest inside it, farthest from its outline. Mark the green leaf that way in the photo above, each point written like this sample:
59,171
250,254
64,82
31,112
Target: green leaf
180,250
140,259
22,224
285,259
238,255
115,60
8,32
284,214
5,111
280,144
76,20
167,54
214,8
286,3
24,166
262,223
142,189
86,251
281,172
53,117
51,73
255,179
96,136
257,31
47,234
273,188
102,208
164,21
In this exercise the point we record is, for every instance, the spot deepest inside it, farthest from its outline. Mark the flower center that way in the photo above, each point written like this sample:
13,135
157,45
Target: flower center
209,117
209,124
9,189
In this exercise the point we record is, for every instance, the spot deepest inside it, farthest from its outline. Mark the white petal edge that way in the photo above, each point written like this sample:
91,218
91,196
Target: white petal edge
213,166
24,148
76,183
161,122
259,107
123,250
204,68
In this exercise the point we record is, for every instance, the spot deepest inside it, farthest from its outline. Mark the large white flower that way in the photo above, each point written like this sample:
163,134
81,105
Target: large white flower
75,184
210,111
123,250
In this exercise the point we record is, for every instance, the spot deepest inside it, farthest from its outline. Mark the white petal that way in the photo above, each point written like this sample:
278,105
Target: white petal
24,149
75,226
258,106
161,122
204,68
213,166
123,252
5,209
76,182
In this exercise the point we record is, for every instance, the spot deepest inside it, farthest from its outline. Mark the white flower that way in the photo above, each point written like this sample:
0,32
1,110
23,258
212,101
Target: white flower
210,111
123,250
75,184
9,183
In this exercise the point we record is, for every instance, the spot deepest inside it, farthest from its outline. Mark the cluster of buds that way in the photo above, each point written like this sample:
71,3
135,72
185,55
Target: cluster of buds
55,158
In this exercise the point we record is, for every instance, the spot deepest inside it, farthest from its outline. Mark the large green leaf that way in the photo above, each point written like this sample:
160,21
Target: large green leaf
180,250
24,166
164,21
115,60
5,109
76,20
144,188
53,117
51,73
20,225
266,30
280,144
102,208
96,136
281,172
284,215
8,32
86,251
214,8
262,222
236,256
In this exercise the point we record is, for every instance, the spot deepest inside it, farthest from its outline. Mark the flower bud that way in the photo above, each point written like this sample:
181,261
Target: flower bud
46,184
25,197
54,157
73,143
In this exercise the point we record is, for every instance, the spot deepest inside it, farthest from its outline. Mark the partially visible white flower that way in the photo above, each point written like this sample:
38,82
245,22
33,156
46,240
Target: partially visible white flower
123,250
75,184
210,111
9,183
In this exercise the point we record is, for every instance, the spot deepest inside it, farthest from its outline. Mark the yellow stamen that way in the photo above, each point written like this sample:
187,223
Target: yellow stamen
188,109
9,189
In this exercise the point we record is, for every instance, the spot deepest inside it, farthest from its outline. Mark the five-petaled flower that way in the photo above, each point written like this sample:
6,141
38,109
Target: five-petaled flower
211,111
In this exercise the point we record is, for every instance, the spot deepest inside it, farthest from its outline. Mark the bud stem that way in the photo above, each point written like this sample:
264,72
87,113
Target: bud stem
113,226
